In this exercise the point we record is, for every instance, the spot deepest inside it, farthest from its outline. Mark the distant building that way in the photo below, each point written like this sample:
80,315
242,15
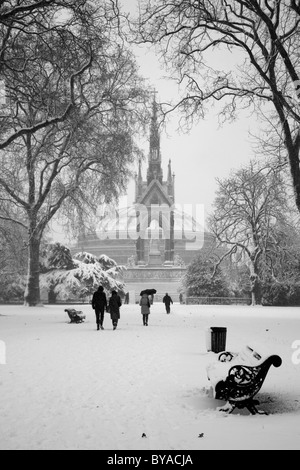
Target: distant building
154,234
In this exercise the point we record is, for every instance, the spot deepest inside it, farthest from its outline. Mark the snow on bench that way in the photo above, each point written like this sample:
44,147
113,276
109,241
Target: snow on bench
76,316
238,377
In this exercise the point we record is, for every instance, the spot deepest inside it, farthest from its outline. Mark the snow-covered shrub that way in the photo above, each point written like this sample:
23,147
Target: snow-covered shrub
79,276
12,287
201,280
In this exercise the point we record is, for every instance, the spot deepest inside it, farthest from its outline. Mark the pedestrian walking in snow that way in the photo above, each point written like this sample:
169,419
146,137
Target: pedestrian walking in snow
167,301
99,304
145,308
114,303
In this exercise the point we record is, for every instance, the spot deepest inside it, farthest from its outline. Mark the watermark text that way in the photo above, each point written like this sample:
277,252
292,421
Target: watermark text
157,221
296,353
2,353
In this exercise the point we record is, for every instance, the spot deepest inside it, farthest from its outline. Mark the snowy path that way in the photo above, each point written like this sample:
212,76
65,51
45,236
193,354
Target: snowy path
68,386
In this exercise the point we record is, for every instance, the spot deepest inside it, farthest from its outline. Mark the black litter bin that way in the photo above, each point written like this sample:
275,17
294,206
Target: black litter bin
218,339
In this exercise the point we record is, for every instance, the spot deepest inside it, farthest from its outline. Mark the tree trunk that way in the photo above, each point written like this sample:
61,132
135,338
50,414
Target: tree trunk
295,173
52,296
253,298
32,296
254,280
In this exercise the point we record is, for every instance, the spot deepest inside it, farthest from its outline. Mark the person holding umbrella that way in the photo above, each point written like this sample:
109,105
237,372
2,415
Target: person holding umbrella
145,308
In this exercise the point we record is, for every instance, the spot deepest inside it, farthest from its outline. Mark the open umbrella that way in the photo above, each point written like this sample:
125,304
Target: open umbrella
148,291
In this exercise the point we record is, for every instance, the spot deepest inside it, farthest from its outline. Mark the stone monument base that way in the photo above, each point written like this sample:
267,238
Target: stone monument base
163,279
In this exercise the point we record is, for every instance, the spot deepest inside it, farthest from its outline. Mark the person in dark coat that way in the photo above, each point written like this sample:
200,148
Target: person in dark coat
145,308
115,303
167,301
99,304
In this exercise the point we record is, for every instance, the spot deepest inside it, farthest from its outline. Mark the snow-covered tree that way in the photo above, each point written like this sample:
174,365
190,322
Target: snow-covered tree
249,207
259,42
78,276
201,280
75,107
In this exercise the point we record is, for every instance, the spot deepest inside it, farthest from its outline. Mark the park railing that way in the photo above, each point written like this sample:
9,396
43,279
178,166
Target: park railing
217,301
157,299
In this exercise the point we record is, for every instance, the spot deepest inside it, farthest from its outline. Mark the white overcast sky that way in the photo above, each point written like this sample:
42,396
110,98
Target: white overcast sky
208,151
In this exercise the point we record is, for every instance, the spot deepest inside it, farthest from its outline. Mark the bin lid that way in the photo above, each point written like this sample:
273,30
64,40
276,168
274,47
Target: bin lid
216,329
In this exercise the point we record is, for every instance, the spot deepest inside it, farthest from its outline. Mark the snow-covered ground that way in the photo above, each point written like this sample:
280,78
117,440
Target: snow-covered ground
68,386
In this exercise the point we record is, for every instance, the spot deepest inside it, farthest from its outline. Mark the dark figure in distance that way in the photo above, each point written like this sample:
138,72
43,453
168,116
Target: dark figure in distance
167,301
114,308
99,304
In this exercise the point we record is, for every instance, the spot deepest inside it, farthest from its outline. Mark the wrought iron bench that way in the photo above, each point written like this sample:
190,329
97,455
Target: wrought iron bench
237,378
76,316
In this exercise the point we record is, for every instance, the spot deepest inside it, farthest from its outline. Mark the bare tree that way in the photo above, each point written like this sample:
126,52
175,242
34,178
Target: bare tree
248,207
86,75
264,35
22,22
